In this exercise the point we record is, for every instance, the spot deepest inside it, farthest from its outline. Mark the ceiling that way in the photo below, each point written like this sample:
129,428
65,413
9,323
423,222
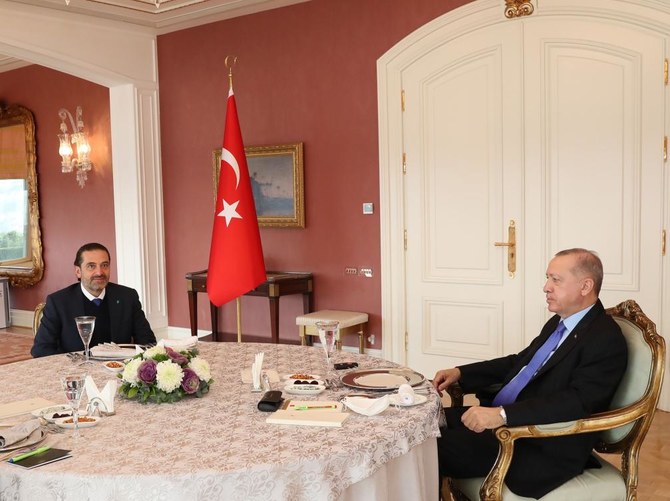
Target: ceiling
163,16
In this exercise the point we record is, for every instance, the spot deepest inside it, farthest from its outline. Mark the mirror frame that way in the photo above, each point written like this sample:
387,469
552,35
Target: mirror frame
28,271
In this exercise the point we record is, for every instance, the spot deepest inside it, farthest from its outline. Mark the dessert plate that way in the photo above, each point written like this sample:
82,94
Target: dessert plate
418,400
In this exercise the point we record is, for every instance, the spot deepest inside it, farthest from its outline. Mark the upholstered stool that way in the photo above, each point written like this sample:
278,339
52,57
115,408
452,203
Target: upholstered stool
350,321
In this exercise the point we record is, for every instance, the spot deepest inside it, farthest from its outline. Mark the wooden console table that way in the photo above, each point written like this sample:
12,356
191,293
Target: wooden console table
278,283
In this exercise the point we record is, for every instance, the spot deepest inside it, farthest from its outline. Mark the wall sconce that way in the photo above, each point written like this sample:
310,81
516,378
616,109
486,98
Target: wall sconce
77,157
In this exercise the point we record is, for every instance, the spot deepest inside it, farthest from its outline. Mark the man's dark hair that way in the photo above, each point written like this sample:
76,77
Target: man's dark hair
89,247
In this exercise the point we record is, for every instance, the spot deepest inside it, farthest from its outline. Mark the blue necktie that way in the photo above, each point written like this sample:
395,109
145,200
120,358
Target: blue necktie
96,301
511,390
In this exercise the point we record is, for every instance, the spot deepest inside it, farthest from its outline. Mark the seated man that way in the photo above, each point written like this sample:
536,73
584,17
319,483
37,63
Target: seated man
570,371
119,315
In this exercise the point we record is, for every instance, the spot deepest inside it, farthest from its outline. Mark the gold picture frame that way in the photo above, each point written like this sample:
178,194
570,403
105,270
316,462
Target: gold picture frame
277,181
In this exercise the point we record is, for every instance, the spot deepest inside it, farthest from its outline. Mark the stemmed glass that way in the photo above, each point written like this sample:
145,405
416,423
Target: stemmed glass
328,334
85,326
73,385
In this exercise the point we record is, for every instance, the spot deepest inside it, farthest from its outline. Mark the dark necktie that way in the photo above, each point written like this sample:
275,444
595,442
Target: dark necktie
511,390
96,301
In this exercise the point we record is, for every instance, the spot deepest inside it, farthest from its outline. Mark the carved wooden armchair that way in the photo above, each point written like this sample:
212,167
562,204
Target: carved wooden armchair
622,428
37,317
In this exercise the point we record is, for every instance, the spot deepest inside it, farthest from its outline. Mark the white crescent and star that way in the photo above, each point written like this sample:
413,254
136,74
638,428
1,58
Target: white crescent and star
230,210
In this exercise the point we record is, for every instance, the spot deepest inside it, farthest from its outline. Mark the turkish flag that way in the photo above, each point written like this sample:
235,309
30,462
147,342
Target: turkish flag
236,263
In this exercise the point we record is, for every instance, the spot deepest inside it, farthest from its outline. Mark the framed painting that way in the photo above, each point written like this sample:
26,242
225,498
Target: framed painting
277,183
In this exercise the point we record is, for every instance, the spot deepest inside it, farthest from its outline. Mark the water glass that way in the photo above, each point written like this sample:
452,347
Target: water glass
85,326
328,334
73,383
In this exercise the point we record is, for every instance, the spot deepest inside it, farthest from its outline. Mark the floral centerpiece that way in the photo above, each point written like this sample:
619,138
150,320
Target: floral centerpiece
162,374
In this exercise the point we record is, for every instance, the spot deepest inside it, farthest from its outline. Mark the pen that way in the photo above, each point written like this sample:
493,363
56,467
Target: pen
308,407
28,454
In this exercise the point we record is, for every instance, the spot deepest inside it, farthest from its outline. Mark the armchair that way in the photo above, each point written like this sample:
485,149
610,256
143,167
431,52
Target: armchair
623,427
37,317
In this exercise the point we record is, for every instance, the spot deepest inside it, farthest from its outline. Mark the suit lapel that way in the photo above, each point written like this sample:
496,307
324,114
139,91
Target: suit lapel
114,307
573,339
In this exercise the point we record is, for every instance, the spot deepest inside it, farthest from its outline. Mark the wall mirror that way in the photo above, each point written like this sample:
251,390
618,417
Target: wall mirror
20,240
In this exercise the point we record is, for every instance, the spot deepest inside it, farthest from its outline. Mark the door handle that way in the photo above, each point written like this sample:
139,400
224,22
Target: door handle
511,248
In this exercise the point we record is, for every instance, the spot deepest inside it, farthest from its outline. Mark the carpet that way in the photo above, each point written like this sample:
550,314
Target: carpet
15,346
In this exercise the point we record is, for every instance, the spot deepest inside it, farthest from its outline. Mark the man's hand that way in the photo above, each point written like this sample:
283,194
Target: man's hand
445,378
479,418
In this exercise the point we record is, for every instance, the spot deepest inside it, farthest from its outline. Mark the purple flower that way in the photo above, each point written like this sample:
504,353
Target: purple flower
190,382
147,371
176,357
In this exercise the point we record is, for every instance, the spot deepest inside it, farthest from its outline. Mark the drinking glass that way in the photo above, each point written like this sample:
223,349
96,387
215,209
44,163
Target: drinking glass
73,385
85,326
328,334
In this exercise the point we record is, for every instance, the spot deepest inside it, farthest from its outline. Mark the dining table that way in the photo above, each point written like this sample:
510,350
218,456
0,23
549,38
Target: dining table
220,447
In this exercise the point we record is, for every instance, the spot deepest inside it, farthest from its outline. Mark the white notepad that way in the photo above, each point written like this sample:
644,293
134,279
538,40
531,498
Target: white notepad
23,407
309,413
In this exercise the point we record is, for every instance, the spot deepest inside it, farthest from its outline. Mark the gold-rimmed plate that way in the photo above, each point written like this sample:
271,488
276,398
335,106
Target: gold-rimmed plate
382,379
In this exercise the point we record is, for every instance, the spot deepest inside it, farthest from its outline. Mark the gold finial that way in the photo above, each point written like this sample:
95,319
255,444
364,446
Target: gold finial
229,62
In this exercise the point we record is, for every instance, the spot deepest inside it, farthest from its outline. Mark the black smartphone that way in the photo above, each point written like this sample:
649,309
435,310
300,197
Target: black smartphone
345,365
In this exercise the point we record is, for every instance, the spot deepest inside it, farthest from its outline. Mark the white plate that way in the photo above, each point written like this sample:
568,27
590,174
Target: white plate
34,438
394,399
304,389
50,410
82,424
311,376
113,369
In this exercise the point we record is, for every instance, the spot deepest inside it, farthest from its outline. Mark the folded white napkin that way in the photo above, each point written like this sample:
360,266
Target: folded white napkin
17,433
106,395
367,406
256,370
106,350
406,394
179,344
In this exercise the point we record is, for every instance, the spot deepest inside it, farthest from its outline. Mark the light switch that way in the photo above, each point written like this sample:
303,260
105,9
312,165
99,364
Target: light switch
368,208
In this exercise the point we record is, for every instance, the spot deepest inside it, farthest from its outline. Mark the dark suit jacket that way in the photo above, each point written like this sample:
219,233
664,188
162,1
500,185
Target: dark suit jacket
578,380
58,333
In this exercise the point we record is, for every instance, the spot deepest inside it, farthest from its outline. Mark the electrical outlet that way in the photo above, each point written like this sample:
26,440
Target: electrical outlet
366,272
371,339
350,271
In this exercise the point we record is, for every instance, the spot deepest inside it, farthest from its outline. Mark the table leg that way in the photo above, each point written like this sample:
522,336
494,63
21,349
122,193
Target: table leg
193,311
307,300
215,321
274,318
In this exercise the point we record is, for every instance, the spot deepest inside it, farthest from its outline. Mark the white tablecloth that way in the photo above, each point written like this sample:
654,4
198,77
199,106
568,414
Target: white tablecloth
220,447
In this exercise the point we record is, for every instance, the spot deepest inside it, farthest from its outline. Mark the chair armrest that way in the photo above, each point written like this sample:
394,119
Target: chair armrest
455,392
493,484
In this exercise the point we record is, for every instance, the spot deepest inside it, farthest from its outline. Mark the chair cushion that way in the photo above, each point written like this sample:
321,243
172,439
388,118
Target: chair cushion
346,318
596,484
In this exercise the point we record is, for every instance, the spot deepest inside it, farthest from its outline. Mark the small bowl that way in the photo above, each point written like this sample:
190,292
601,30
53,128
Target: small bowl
114,366
84,421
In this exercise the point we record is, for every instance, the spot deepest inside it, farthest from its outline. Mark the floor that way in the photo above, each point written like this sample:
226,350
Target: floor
654,483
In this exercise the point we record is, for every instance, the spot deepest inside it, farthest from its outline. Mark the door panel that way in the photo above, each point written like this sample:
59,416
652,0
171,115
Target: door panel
556,124
460,296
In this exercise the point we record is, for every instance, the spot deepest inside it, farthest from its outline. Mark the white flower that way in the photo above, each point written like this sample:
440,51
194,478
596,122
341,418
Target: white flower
153,351
201,367
130,371
168,376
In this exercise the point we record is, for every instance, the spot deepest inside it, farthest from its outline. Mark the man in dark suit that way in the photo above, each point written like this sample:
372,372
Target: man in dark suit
573,376
118,312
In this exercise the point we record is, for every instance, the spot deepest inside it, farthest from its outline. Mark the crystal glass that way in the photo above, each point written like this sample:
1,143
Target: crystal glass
328,334
73,383
85,326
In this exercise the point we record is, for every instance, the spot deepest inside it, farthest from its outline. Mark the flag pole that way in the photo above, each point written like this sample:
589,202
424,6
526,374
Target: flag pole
231,61
238,302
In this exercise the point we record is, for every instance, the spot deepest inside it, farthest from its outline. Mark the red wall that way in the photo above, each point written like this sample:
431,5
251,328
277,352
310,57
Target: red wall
305,73
69,215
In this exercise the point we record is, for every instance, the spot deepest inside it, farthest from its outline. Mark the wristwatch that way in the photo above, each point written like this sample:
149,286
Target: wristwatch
503,415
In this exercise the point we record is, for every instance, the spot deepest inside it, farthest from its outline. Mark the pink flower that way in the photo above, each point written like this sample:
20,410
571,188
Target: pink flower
190,382
176,357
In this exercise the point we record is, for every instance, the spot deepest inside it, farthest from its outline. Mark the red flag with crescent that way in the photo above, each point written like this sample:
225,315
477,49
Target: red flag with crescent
236,263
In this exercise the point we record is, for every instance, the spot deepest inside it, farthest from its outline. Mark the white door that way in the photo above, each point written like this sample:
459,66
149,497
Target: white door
554,124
